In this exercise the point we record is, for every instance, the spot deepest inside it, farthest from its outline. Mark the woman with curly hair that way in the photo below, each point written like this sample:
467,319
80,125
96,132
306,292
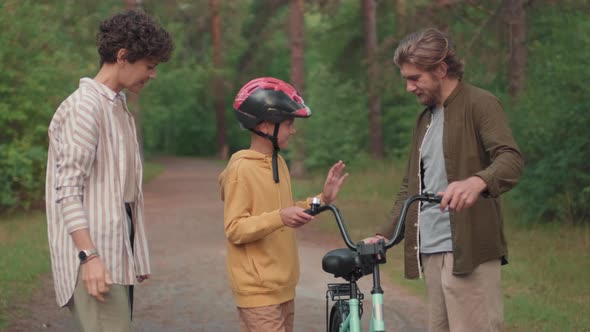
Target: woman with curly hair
93,189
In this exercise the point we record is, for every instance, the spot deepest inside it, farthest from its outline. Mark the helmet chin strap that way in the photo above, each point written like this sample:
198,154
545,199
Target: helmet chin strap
276,149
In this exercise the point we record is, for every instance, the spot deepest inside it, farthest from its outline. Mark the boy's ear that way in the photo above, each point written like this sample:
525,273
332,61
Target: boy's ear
264,127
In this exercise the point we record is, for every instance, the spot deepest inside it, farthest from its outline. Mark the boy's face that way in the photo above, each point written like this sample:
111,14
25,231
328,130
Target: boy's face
286,129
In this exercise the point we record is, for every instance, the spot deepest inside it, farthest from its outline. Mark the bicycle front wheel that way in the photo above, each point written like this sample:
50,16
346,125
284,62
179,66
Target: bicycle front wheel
338,314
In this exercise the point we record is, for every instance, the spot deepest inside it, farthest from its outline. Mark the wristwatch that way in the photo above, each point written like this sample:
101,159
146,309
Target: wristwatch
84,254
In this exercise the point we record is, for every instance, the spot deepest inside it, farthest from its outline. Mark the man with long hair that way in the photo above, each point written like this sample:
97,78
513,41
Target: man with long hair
463,150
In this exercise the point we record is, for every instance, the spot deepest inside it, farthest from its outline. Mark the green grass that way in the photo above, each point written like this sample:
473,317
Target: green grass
546,285
25,256
25,253
151,170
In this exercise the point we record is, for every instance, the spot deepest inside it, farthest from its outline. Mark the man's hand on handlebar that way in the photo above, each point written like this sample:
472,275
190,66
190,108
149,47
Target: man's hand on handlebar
294,216
461,195
375,239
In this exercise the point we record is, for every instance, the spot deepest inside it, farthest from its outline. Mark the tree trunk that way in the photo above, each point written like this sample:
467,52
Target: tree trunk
515,14
375,132
259,32
296,25
131,4
133,98
443,3
401,11
222,148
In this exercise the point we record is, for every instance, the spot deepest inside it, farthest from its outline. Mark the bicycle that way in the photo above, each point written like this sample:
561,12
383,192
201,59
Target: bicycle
354,263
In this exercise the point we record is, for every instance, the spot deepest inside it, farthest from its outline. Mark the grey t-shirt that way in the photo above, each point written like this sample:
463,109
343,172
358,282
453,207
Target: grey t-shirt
435,227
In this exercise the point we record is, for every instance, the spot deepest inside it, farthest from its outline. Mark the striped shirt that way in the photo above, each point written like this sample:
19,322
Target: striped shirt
87,167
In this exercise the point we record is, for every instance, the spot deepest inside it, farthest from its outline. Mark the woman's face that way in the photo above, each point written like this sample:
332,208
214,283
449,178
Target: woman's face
134,76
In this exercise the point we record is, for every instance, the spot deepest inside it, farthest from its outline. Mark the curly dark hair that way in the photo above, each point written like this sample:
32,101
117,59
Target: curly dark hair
136,32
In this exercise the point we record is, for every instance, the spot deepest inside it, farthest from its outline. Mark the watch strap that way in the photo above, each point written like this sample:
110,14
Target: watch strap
84,254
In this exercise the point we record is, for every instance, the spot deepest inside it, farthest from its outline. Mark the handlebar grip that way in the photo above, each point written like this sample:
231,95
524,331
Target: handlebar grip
432,197
310,212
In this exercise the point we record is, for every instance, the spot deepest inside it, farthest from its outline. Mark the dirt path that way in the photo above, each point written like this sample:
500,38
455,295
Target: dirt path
189,288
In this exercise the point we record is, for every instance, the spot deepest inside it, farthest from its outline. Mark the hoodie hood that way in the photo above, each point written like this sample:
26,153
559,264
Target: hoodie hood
261,162
248,154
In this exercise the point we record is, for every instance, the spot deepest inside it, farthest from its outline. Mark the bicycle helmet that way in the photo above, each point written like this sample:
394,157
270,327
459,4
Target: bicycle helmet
268,99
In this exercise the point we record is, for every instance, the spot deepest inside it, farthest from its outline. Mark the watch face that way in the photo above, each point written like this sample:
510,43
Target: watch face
82,255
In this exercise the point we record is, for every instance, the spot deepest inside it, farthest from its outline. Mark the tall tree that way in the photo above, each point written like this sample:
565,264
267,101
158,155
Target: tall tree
375,131
400,9
515,16
218,86
133,98
297,76
257,32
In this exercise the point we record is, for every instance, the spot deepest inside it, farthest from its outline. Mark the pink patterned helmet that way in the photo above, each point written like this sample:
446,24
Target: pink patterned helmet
268,99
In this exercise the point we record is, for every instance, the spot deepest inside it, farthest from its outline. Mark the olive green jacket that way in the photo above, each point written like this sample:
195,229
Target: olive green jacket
477,140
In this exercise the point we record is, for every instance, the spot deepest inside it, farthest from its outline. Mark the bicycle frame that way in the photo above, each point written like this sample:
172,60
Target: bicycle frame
374,254
352,320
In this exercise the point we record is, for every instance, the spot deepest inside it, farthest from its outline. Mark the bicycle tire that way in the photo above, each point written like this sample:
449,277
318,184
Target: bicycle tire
338,314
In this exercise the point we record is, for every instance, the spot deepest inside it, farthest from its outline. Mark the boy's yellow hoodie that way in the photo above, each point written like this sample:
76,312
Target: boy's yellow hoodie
262,255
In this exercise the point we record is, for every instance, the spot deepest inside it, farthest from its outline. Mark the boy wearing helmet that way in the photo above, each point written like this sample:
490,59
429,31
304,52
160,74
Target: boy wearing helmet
260,215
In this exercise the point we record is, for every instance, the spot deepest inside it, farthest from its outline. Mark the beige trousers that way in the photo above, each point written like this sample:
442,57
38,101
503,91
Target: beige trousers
467,303
272,318
91,315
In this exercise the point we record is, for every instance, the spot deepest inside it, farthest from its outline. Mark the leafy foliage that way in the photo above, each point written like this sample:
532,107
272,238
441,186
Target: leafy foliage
42,63
172,123
327,142
552,119
35,66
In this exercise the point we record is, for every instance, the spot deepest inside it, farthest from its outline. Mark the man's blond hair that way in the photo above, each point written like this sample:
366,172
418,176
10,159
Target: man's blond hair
427,49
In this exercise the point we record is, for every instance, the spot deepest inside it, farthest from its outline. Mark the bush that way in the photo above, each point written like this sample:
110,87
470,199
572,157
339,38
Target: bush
552,119
32,81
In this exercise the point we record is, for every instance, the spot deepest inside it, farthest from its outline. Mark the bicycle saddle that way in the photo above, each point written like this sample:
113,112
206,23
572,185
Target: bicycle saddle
345,263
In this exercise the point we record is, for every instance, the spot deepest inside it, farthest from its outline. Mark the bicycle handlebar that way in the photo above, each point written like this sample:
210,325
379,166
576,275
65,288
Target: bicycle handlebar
343,231
316,208
425,197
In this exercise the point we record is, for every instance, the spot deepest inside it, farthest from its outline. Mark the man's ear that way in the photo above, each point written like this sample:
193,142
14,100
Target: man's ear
441,70
122,55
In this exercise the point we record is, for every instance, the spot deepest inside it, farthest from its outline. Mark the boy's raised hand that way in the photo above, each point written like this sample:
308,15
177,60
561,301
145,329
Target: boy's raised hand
334,181
294,216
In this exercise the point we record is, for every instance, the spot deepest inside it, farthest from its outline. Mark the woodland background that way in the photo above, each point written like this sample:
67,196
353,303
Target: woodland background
532,54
